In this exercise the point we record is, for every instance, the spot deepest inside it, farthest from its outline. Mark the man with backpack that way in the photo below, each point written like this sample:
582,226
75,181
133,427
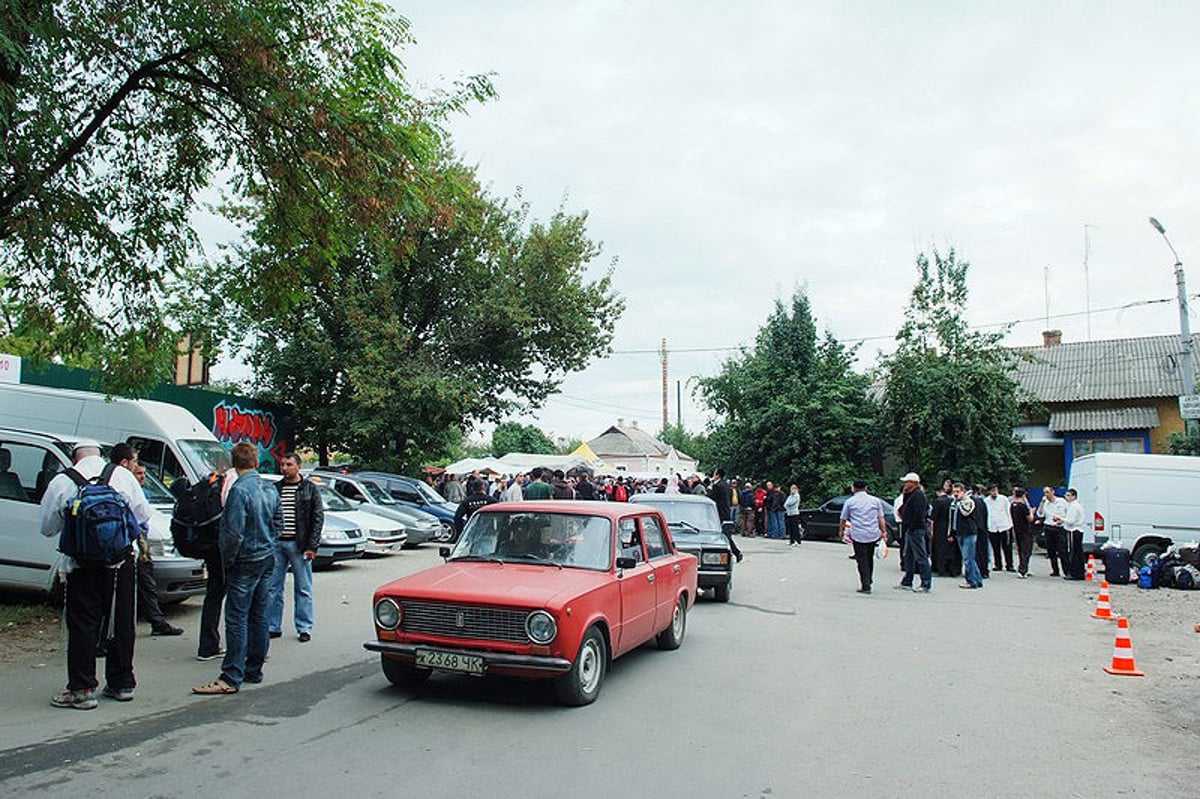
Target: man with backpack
96,510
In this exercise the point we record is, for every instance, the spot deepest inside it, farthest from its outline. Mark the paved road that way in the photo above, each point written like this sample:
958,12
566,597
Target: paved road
798,687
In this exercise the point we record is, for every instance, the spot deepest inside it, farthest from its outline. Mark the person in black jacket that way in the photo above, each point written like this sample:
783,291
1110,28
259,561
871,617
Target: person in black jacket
476,498
914,515
946,558
981,543
303,521
965,530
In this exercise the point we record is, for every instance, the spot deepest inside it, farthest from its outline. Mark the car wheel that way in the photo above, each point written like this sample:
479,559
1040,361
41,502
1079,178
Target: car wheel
1142,552
445,534
581,685
402,675
721,592
672,637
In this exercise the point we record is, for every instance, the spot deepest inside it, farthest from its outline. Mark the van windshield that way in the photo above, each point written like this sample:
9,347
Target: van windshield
205,457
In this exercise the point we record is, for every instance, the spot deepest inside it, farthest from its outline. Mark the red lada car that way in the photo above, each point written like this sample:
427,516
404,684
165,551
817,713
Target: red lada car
551,589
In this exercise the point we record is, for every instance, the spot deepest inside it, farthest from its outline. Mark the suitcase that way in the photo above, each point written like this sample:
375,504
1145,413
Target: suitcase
1116,565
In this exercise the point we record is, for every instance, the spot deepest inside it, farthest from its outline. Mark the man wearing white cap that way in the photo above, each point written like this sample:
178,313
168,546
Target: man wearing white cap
91,589
914,522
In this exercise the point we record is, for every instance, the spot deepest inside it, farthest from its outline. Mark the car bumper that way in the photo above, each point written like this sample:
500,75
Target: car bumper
380,545
416,536
331,553
179,578
500,662
713,578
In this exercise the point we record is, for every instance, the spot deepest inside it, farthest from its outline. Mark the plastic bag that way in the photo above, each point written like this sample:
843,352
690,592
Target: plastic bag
881,549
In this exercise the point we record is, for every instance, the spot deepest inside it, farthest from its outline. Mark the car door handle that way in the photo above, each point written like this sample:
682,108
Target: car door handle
678,568
650,577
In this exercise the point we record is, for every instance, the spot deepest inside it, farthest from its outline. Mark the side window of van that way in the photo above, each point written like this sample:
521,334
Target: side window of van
25,471
157,458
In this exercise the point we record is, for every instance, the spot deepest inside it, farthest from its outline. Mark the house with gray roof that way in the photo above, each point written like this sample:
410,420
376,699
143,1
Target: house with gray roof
1119,395
628,448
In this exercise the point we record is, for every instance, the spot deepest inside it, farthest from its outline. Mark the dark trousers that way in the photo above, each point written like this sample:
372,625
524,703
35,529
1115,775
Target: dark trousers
89,600
865,555
147,591
947,558
1056,549
793,528
210,614
916,550
1002,545
1075,557
1024,550
981,554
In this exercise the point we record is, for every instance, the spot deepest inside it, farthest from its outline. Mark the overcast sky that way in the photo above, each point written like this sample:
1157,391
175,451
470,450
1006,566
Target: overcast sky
728,152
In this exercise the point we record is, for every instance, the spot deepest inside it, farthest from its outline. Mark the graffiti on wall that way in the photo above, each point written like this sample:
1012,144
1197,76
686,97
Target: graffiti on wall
233,424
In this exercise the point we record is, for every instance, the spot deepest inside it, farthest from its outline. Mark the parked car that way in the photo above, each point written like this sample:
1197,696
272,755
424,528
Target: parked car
697,530
823,521
29,460
417,494
383,535
551,590
368,497
341,539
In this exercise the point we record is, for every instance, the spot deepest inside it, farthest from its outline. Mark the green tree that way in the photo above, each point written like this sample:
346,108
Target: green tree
950,401
513,437
454,309
791,409
115,119
693,444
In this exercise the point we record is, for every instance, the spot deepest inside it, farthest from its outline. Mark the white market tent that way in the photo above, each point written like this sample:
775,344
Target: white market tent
520,462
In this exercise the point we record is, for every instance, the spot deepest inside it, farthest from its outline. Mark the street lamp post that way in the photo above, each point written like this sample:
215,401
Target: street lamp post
1188,365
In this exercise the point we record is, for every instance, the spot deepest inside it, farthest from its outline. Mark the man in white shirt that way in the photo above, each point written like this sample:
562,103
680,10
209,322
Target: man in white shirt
92,590
999,527
1074,525
1051,512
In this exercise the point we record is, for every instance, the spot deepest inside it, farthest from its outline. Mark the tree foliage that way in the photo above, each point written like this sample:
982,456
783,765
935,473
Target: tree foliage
950,400
116,117
693,444
514,437
791,409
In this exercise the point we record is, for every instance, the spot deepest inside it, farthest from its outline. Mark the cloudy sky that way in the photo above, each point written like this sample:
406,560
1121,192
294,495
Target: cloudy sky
729,152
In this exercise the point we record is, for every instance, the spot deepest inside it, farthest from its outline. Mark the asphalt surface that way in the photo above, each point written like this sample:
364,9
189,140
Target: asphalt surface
798,687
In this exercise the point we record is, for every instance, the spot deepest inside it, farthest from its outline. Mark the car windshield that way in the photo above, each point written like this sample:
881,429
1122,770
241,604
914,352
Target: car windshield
428,493
377,494
156,492
559,539
331,499
687,517
205,457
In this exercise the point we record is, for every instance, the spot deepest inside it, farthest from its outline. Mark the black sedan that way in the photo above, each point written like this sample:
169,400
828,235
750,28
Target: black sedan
697,530
824,520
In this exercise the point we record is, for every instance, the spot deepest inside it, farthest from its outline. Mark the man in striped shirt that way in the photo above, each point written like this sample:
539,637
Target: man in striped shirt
303,519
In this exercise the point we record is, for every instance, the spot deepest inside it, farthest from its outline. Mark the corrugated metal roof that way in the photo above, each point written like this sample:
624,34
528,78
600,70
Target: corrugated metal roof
621,440
1087,419
1129,368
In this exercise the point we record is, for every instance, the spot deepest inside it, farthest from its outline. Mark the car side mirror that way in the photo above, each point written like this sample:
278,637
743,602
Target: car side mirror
444,553
728,528
626,563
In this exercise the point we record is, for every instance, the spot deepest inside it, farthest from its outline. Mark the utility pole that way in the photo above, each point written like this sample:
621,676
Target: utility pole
663,353
679,404
1087,282
1187,368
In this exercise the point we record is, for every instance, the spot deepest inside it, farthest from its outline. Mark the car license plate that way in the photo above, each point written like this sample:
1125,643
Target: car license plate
449,661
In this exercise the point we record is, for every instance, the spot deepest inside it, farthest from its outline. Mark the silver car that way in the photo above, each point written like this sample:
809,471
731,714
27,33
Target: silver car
368,497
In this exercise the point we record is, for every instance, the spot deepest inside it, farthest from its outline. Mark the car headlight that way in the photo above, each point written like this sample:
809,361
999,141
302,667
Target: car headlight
334,535
387,614
715,558
540,627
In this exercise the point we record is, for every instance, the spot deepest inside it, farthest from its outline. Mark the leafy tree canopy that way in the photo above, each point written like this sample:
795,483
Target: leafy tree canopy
695,445
513,437
791,409
950,402
116,117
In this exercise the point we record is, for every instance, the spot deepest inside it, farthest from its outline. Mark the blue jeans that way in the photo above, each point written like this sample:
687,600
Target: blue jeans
288,554
775,524
916,557
966,545
246,638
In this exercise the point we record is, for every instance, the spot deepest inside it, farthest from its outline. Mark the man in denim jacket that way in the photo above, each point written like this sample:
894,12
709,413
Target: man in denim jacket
250,527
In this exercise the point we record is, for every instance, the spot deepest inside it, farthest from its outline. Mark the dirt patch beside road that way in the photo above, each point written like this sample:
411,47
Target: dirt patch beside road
30,634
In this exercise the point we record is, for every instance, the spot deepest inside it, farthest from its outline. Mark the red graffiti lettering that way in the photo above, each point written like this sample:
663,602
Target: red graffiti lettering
231,424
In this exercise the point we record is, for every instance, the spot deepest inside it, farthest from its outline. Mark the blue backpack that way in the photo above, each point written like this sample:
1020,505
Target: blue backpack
100,527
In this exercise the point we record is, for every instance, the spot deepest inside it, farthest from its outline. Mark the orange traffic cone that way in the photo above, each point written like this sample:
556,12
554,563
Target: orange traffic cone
1103,606
1122,661
1091,568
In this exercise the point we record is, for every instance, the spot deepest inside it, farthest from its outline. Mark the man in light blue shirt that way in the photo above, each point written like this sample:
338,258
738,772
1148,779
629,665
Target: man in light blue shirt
863,524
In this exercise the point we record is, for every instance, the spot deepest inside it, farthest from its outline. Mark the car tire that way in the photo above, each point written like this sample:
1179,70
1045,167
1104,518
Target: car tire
721,592
445,535
1138,558
581,685
672,637
402,675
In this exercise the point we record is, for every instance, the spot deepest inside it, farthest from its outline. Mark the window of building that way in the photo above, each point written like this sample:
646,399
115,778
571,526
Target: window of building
1087,446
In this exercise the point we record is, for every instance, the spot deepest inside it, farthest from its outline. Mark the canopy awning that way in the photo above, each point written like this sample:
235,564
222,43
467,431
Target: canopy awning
1102,419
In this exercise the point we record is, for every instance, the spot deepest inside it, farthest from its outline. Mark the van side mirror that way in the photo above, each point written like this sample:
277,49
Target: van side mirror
626,563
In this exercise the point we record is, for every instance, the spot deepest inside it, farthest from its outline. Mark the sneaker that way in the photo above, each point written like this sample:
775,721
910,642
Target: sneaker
739,557
305,637
864,590
1022,575
213,656
77,700
921,589
166,629
903,586
119,694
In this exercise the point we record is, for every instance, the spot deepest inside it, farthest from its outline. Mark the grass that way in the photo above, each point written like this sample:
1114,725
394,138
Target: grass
15,613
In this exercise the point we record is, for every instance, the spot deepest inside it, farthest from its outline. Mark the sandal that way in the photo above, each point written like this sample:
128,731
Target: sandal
217,686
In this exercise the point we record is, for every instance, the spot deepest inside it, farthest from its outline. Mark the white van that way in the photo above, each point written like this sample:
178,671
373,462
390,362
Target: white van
1143,503
170,440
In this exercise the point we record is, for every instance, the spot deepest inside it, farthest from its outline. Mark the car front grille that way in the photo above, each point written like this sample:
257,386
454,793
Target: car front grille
464,621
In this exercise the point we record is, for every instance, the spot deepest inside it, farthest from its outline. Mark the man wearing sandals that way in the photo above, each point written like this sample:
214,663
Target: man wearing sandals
250,527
